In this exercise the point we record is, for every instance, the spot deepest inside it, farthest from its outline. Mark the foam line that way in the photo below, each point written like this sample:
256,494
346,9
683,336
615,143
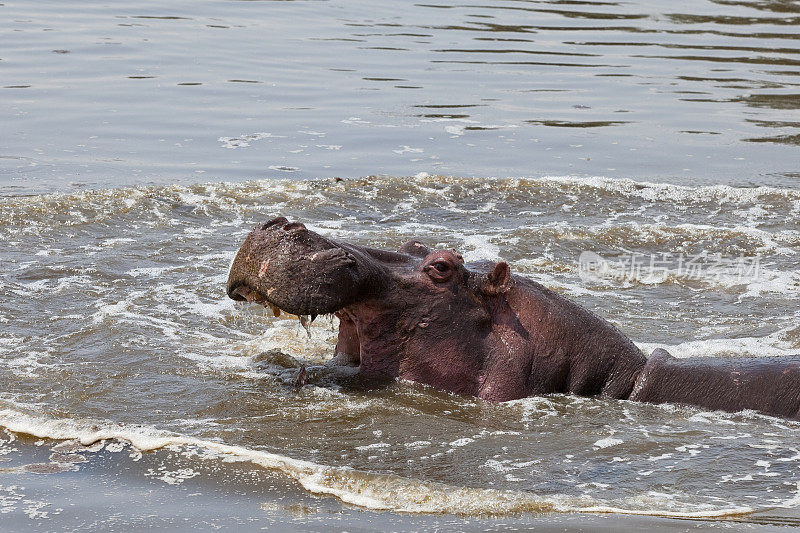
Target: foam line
365,489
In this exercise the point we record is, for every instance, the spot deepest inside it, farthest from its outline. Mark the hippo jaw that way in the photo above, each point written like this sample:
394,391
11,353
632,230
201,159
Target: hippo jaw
284,266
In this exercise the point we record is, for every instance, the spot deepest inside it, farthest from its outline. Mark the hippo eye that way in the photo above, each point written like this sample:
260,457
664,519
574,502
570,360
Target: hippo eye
440,271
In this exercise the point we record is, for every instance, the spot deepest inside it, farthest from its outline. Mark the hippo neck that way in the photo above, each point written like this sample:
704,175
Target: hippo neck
571,350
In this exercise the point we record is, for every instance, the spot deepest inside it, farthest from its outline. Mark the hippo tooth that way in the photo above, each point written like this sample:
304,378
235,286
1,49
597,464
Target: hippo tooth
306,323
276,311
250,296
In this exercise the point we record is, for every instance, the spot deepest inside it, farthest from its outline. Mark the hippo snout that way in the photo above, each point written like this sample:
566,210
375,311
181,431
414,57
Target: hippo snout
286,266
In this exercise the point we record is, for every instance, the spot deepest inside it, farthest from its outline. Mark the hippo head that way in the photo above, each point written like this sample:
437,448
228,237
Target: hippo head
415,313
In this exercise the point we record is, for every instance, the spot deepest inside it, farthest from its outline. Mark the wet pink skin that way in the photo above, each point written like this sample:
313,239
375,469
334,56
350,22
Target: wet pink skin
478,330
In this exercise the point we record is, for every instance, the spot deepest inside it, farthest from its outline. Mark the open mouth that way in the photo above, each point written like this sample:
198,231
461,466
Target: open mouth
348,347
243,292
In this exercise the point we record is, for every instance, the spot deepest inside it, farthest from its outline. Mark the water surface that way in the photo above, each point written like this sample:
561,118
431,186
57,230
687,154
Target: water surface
143,92
116,326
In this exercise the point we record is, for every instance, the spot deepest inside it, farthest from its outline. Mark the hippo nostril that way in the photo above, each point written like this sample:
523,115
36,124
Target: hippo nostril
279,221
294,226
237,292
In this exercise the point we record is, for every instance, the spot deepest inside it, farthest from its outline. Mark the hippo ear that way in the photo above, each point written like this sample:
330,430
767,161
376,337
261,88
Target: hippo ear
498,279
414,248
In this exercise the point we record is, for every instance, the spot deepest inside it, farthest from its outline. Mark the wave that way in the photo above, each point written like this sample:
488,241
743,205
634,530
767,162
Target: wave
777,344
670,192
365,489
598,214
227,194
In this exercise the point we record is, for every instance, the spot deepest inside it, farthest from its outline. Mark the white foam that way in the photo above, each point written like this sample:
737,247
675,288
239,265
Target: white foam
13,497
668,191
220,362
792,502
245,139
374,446
28,364
607,442
478,247
115,241
769,345
172,477
151,272
785,283
405,149
372,491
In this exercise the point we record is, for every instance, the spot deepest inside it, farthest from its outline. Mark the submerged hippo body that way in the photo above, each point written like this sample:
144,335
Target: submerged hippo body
424,316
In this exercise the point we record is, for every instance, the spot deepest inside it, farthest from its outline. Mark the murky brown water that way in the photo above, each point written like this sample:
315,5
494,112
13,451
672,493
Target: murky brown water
116,326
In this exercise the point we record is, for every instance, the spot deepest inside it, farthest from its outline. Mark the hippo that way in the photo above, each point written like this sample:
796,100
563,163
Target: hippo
477,329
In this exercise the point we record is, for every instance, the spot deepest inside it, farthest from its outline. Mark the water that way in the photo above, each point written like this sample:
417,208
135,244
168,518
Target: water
127,189
141,92
116,326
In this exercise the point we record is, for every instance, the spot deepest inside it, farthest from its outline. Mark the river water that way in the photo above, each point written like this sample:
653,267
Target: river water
142,142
